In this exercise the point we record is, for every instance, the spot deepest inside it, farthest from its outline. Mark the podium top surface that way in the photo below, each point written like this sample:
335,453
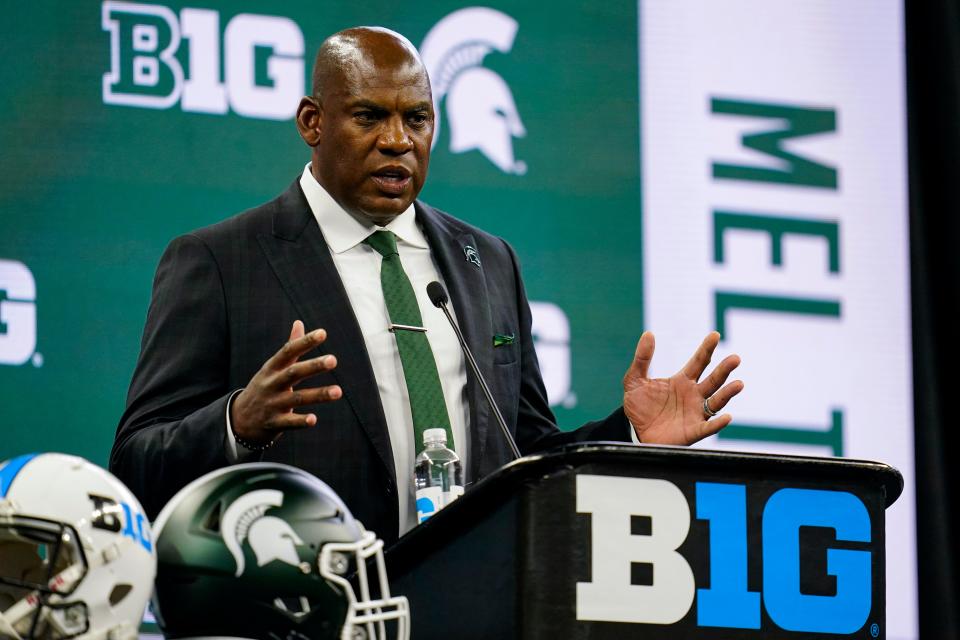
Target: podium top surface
658,456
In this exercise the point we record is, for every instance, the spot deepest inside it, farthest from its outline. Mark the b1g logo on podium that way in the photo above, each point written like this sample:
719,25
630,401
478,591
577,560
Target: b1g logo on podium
619,506
145,72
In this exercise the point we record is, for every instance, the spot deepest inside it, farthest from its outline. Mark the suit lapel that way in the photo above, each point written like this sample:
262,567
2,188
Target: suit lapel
467,288
301,260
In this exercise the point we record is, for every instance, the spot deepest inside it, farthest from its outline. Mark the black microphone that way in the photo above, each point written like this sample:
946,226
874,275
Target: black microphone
438,296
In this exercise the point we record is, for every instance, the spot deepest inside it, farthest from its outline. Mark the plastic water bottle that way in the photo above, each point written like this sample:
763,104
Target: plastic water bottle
439,476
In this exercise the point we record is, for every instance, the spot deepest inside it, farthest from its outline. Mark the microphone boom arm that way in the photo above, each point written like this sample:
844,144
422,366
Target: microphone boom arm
442,304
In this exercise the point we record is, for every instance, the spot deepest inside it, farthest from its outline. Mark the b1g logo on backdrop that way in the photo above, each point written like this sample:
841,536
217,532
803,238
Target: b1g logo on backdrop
18,313
638,574
480,109
551,338
145,72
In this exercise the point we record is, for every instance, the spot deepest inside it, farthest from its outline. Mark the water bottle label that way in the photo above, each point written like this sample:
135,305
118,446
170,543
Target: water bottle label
454,493
429,501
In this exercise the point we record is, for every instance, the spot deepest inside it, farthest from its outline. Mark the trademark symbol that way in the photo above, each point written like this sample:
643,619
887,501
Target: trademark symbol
874,630
37,360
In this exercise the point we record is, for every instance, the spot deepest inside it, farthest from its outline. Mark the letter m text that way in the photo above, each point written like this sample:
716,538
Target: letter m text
796,122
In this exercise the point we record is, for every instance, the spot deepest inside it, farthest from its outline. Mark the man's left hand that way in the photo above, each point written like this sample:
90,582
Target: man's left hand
670,410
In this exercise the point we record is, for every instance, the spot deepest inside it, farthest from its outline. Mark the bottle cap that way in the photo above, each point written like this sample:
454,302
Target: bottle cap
434,435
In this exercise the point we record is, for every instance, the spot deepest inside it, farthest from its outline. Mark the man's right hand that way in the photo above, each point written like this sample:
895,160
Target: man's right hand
264,409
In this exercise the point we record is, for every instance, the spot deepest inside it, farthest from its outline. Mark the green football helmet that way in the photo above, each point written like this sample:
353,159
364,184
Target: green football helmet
268,551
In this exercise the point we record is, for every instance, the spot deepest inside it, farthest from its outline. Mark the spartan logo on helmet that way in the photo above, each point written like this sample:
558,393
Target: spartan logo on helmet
480,108
270,537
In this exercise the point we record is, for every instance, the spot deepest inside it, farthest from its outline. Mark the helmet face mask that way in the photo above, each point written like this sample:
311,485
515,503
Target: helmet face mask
40,560
33,551
281,542
366,617
69,569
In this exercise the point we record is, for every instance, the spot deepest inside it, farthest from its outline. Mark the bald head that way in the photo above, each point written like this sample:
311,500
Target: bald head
353,55
369,122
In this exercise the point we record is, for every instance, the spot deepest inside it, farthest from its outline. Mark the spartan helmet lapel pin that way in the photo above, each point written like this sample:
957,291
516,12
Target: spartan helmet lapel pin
471,255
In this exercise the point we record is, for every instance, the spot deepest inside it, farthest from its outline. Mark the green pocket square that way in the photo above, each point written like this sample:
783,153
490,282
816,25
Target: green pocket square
500,339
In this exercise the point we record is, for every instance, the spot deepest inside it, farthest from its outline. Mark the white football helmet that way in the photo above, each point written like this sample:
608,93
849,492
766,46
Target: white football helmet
76,553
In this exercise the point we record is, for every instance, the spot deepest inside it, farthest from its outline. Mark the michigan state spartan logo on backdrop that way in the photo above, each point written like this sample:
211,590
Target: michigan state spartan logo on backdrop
480,110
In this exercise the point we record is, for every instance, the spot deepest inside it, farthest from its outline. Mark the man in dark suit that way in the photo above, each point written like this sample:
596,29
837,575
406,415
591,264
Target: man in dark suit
211,388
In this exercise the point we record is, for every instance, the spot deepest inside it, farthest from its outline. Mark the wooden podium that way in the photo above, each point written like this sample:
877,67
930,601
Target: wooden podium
608,540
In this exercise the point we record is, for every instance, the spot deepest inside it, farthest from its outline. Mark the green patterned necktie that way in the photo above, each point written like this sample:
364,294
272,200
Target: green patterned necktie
416,357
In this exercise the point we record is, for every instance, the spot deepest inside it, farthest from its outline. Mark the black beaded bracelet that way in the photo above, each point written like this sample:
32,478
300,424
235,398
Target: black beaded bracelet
251,446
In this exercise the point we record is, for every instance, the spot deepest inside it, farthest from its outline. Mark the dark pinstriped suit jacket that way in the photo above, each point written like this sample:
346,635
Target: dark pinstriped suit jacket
224,298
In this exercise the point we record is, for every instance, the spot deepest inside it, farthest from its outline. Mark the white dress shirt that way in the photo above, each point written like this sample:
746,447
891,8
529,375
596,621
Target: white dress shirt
359,267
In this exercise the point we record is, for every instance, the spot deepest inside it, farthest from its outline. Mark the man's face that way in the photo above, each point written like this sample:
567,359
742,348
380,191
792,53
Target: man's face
376,126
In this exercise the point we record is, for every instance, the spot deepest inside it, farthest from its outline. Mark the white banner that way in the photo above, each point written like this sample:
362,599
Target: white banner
774,180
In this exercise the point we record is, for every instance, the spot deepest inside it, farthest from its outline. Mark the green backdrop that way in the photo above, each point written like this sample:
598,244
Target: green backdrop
91,193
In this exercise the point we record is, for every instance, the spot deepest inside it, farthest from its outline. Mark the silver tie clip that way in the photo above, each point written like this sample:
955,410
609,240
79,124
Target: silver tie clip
405,327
